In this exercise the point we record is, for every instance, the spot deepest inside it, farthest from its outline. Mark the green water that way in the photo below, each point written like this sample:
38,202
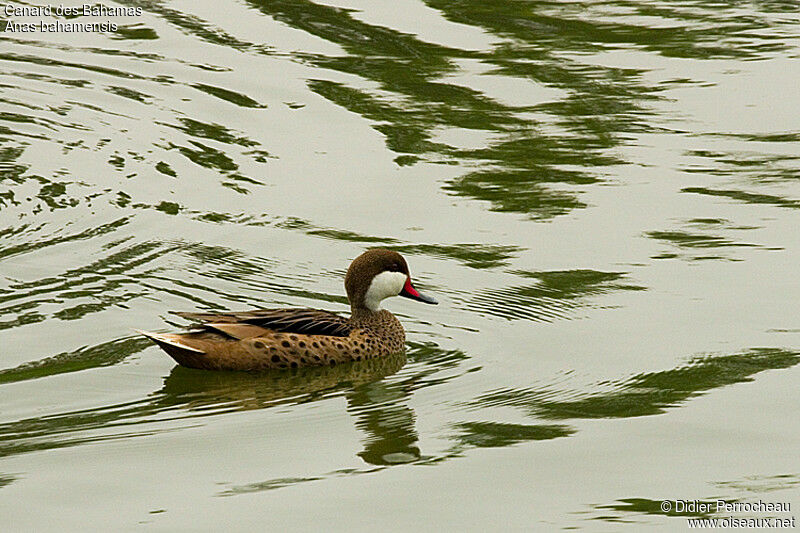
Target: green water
604,196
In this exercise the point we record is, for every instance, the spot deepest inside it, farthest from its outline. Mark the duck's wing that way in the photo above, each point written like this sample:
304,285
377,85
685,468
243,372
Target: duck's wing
247,324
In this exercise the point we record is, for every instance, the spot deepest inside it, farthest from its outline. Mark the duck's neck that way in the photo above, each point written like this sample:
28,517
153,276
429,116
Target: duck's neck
364,314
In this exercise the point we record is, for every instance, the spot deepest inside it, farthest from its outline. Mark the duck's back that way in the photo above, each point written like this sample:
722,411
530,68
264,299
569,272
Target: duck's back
281,338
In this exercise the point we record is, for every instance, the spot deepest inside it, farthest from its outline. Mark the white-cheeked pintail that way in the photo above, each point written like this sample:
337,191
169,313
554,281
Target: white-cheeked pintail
288,338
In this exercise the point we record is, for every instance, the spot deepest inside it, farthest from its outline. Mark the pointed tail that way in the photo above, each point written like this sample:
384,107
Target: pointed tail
182,353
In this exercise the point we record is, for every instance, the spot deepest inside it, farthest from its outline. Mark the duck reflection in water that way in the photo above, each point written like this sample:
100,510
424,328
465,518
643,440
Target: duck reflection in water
376,404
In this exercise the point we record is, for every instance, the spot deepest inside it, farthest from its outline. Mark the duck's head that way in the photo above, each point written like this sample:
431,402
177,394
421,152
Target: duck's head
378,274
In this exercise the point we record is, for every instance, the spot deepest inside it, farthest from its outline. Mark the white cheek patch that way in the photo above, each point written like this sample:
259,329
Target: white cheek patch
383,285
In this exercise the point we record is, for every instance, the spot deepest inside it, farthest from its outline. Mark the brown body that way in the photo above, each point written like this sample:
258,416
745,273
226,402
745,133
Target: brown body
377,335
290,338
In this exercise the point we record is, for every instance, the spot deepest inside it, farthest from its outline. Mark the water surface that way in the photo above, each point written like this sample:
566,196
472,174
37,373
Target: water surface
603,195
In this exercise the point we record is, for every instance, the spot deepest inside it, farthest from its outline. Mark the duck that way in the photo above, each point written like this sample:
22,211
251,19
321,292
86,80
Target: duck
263,339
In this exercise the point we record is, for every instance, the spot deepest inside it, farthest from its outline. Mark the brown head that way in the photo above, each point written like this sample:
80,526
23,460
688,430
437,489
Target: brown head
377,274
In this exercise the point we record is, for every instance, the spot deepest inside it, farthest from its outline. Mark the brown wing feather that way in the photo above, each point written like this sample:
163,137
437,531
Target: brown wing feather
237,330
306,321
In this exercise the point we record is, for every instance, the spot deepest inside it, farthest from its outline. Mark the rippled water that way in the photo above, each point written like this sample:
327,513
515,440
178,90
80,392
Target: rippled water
604,196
